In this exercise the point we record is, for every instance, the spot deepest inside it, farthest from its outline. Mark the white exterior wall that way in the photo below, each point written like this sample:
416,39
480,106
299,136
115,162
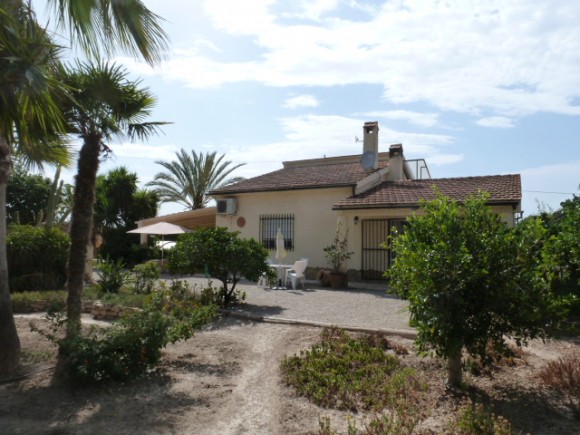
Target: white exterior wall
315,221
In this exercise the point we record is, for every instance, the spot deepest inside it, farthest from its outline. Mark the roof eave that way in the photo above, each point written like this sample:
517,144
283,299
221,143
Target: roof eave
513,203
279,189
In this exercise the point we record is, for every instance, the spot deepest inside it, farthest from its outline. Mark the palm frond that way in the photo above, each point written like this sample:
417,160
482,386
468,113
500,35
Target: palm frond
113,25
188,179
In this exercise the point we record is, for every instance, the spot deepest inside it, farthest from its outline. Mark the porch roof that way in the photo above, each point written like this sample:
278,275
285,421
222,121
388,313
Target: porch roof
503,189
191,219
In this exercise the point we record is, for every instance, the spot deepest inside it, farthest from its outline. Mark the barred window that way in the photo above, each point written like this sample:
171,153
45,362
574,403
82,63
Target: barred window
269,224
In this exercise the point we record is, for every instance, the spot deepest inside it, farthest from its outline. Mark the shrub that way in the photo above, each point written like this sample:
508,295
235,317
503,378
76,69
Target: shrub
564,375
129,348
477,419
223,254
112,276
26,302
344,373
145,276
37,258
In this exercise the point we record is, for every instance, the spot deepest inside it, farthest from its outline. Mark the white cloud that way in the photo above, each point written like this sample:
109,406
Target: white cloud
313,9
496,122
505,57
316,136
301,101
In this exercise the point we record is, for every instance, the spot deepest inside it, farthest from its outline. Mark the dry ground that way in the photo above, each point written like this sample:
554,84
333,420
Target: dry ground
226,380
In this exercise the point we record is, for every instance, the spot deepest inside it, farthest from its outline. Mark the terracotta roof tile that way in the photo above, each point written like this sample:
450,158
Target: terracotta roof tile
301,177
502,189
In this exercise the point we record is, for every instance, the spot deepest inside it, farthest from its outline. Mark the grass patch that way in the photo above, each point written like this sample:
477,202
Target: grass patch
353,374
34,301
36,356
26,302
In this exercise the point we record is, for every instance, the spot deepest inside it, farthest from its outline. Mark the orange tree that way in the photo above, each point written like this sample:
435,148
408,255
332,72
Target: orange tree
471,280
223,255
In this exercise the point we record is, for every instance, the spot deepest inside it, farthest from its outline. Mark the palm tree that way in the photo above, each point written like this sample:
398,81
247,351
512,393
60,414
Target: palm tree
30,116
107,105
27,88
189,179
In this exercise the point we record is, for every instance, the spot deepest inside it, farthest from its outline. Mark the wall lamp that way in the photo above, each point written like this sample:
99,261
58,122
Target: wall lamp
356,220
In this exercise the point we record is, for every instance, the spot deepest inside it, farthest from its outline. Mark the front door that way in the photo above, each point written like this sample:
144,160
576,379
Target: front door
376,254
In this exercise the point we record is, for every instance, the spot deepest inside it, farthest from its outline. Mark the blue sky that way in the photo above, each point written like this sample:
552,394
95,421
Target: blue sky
474,87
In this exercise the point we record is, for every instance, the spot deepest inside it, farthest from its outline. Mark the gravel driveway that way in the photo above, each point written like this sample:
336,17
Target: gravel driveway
357,307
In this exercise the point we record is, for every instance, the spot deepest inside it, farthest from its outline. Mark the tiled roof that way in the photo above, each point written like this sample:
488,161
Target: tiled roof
302,177
502,189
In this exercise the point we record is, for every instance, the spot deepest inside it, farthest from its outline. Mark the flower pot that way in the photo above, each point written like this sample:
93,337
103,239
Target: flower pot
338,280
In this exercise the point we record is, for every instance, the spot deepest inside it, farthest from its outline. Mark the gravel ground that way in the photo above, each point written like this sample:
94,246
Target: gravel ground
356,307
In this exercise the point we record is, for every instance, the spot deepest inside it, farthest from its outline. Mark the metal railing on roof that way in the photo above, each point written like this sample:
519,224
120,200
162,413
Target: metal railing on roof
419,169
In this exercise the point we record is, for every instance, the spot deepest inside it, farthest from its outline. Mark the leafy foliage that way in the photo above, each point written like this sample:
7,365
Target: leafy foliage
470,279
477,419
223,254
337,252
562,251
345,373
112,275
36,257
129,348
26,197
145,276
188,179
30,301
119,204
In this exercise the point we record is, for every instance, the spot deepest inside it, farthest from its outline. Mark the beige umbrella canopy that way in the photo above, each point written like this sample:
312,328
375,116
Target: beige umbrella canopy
160,229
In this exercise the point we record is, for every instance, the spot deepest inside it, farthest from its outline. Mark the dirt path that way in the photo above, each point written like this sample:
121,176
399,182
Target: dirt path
245,411
226,380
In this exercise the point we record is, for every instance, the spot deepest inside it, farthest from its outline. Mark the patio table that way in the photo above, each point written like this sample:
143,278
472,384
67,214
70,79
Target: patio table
281,270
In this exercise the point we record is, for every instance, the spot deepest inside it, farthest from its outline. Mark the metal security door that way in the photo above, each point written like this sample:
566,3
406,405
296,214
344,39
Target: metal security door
375,258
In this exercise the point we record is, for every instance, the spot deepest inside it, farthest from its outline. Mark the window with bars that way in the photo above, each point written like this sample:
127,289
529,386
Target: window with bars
269,224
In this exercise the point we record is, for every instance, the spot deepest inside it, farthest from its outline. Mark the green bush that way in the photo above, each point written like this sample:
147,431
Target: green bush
36,258
478,420
145,276
344,373
26,302
112,276
223,254
129,348
118,245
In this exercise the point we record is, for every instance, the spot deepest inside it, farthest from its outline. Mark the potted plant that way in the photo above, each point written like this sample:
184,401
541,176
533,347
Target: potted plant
336,254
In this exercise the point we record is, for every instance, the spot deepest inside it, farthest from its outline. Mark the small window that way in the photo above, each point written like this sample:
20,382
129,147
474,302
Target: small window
269,224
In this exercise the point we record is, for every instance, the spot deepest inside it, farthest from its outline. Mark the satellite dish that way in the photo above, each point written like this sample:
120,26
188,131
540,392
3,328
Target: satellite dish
368,160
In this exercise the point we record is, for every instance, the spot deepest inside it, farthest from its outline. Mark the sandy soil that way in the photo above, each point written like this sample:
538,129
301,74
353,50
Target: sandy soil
226,380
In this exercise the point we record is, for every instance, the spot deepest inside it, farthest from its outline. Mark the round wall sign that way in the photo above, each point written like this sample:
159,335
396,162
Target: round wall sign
241,222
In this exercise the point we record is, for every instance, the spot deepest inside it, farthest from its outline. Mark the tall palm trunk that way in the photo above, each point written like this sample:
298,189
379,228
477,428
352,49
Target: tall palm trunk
9,341
80,231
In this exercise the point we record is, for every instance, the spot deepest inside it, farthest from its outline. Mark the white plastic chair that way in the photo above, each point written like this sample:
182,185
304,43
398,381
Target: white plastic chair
297,272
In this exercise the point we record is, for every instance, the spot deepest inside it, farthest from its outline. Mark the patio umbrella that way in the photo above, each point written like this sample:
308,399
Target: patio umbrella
160,229
280,253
